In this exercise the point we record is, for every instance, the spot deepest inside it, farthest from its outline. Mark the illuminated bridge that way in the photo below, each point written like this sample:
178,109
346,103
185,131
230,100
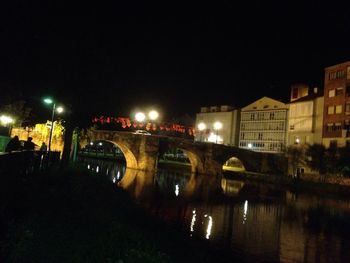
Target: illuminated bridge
142,152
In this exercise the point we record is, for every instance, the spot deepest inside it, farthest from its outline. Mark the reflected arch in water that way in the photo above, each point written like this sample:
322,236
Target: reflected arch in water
138,182
231,187
233,164
196,163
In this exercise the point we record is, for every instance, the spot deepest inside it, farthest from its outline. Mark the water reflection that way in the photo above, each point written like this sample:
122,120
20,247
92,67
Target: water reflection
255,222
111,168
231,187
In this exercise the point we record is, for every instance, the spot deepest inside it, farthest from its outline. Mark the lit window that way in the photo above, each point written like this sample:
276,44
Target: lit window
330,109
338,109
331,93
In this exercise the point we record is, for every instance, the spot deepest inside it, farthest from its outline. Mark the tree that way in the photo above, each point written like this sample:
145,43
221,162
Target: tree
295,156
317,158
344,157
18,110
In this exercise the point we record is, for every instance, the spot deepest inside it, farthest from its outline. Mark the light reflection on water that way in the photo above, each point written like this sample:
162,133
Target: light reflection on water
256,222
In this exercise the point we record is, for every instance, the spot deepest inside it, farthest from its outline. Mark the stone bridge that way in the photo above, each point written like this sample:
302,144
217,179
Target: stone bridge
141,152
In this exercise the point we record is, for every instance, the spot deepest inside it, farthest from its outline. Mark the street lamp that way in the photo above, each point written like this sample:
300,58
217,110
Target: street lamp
201,128
153,115
217,127
140,116
5,120
59,110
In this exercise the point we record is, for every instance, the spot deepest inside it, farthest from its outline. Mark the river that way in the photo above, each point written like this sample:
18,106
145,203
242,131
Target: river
249,221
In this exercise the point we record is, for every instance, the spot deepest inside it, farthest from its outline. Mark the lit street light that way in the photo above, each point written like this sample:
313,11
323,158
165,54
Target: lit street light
201,128
6,120
140,116
153,115
217,127
59,110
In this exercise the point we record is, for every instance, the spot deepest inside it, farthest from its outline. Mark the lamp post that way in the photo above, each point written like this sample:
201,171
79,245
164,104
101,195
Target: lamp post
59,110
217,127
201,128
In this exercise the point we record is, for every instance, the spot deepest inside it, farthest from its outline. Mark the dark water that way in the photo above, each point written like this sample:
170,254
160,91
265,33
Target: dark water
253,221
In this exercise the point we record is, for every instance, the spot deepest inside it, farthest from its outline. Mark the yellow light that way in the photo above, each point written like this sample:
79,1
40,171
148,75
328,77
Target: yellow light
153,115
217,125
6,120
201,126
59,109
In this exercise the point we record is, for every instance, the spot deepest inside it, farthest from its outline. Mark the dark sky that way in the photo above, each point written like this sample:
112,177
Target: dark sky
109,59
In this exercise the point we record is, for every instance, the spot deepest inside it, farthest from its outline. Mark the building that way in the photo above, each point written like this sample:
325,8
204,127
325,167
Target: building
305,116
218,124
336,114
264,125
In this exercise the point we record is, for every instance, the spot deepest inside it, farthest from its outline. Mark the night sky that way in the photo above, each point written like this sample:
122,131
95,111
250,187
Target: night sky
110,59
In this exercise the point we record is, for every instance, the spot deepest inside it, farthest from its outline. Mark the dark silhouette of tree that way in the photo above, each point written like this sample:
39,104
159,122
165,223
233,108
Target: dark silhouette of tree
18,110
296,157
317,158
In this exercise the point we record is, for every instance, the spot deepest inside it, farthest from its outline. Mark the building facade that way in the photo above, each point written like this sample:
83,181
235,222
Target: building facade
218,124
306,118
336,114
263,126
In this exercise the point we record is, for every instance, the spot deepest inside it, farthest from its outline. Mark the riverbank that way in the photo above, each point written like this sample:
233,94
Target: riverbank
309,183
73,216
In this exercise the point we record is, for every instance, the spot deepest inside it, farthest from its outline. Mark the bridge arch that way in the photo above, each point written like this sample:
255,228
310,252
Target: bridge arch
130,158
233,164
192,154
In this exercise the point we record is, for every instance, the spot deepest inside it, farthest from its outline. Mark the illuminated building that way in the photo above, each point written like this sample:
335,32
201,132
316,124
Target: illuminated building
264,125
305,116
336,114
227,116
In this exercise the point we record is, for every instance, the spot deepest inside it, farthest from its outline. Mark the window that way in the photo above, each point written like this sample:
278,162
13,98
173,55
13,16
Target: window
347,91
347,125
329,127
339,91
340,74
291,127
331,93
337,75
295,93
330,110
347,108
338,109
348,72
337,126
332,75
